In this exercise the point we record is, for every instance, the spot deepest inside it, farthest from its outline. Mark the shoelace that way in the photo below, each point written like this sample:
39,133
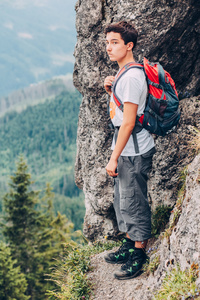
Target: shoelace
121,248
124,246
130,261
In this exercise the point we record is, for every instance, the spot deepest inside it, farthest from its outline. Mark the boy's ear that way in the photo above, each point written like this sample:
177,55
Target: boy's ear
130,45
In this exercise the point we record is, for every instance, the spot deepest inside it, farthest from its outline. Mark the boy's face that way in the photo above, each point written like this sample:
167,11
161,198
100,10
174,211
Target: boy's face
116,48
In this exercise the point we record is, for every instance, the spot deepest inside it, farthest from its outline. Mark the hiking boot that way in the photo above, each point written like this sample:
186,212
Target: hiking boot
122,254
133,267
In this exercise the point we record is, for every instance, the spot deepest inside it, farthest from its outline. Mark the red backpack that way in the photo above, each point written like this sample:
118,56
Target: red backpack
161,114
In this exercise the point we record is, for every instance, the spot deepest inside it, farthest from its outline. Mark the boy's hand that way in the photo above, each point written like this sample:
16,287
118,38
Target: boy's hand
111,168
108,83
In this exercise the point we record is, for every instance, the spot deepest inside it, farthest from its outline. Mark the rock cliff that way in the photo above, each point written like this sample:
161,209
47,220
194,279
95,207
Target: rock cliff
181,247
169,31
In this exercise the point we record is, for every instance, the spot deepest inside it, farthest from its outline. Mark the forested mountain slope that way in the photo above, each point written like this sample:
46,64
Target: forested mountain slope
46,136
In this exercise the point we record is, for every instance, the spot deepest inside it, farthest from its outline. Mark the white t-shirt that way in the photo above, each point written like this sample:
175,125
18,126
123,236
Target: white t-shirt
131,87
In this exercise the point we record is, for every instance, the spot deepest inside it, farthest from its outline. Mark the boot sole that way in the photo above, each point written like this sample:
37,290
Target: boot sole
138,273
117,262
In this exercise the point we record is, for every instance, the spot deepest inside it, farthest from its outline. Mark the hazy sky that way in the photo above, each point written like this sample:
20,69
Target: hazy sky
37,37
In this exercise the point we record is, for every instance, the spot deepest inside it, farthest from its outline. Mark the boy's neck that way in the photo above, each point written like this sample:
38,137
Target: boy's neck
125,61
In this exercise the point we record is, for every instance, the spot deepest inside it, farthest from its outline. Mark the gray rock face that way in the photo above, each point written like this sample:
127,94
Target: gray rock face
174,152
185,238
183,248
169,32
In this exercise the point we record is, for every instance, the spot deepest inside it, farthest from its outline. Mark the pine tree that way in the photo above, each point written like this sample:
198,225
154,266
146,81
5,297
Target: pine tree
22,223
57,231
36,237
12,282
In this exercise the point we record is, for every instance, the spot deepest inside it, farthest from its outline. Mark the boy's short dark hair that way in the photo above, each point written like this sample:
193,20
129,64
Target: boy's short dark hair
127,31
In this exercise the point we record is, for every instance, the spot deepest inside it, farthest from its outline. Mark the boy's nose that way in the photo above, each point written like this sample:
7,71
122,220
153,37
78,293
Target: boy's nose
108,48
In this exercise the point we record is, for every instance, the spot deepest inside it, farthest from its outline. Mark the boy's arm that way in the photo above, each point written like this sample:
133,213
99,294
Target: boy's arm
129,118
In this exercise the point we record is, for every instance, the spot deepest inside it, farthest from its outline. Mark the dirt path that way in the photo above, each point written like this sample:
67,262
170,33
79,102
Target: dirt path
107,287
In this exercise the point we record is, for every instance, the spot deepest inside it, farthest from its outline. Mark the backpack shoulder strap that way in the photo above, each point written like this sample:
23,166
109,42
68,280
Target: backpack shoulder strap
119,75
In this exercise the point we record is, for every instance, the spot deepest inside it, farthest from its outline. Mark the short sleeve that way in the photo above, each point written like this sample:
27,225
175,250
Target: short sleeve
131,88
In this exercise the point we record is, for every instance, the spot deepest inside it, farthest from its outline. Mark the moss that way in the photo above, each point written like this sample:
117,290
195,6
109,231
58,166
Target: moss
160,217
177,210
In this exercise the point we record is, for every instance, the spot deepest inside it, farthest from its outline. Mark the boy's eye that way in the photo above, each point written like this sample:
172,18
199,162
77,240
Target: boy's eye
114,43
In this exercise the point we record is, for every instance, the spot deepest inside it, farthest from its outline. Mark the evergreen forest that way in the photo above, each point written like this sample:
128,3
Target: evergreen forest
33,239
41,209
45,134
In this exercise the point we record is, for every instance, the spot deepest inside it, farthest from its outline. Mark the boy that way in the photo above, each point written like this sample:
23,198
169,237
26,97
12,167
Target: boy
130,198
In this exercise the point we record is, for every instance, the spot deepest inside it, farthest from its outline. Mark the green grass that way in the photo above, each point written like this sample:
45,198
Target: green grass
151,266
180,285
71,274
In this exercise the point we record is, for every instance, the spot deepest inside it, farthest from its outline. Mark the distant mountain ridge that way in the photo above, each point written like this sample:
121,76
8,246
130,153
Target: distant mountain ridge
35,94
37,41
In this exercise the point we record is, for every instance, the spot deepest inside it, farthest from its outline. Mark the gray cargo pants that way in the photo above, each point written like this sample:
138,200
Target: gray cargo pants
131,205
